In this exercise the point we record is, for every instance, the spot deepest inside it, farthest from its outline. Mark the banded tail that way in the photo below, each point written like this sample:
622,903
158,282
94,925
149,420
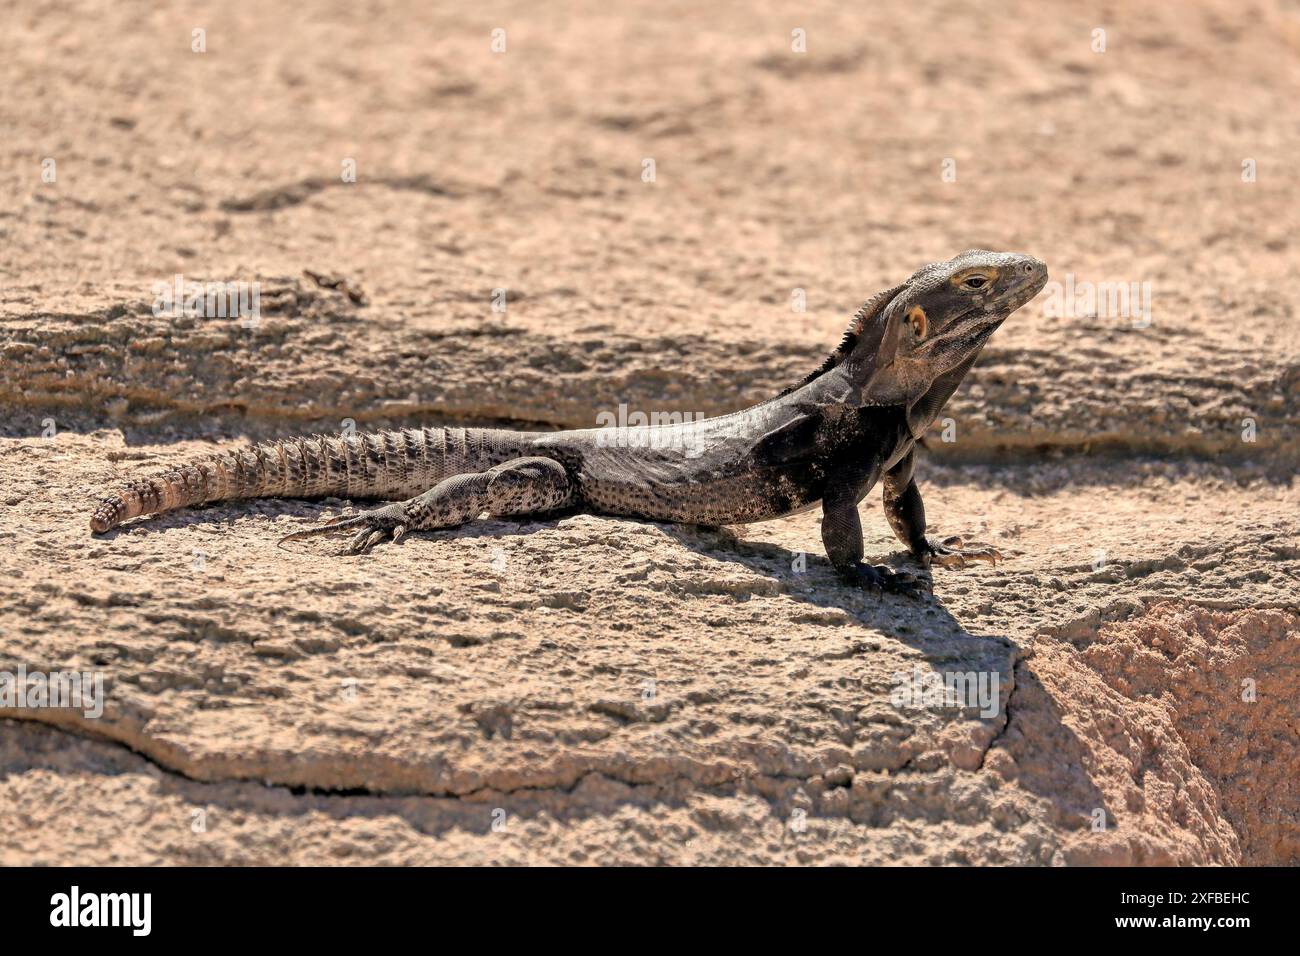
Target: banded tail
390,465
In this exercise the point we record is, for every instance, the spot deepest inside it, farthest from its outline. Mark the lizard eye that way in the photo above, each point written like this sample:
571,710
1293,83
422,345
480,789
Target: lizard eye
972,280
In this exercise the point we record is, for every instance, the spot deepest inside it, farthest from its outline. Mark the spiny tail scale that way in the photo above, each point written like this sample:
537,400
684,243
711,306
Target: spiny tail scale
389,465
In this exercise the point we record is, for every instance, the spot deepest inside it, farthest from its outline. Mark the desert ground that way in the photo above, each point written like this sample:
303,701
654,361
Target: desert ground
528,215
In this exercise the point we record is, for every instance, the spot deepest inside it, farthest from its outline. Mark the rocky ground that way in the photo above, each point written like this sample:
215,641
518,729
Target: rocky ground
599,691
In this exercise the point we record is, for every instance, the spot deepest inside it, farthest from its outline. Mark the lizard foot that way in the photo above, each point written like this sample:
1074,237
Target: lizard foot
951,553
371,528
880,579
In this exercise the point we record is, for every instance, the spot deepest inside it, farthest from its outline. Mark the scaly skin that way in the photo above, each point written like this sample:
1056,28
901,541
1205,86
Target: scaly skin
830,439
390,465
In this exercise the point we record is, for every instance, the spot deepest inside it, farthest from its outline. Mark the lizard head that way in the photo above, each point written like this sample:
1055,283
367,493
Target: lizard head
943,315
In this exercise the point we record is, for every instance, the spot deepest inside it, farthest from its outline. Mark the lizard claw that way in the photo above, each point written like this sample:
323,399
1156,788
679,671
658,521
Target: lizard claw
951,552
371,528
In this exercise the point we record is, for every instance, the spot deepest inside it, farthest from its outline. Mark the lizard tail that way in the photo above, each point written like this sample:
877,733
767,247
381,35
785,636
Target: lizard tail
390,464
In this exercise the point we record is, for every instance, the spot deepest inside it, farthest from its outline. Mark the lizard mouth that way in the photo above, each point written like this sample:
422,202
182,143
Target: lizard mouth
1020,293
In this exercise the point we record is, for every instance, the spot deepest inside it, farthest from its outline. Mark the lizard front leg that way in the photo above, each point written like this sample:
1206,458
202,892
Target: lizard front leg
523,486
842,538
906,514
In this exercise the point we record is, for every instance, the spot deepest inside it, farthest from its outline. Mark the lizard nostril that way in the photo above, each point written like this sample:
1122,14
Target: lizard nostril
1027,268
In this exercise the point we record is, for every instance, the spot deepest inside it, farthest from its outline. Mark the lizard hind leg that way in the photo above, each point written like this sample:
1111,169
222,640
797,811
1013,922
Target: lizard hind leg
522,486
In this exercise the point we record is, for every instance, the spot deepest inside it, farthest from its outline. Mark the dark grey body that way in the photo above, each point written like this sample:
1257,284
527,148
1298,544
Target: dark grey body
770,460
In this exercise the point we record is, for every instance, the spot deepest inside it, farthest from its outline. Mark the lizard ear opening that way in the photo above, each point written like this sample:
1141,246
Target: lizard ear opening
918,322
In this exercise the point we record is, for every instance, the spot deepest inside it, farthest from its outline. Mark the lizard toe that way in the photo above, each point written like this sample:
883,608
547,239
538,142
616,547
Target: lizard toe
372,532
955,552
358,542
370,528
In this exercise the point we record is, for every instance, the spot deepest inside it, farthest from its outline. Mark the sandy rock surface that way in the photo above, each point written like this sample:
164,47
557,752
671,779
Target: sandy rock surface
594,690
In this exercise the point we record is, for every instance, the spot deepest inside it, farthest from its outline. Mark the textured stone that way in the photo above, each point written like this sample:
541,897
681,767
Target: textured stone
620,692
